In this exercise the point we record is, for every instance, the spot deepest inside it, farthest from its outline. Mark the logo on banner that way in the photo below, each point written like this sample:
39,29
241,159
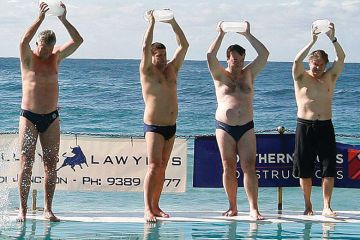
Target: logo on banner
77,159
354,164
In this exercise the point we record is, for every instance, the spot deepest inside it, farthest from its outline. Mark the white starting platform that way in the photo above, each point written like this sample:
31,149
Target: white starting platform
198,216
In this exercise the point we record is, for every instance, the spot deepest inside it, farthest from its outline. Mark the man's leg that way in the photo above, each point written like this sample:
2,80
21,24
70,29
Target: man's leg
328,186
227,147
327,156
306,186
168,146
50,141
27,142
154,145
247,152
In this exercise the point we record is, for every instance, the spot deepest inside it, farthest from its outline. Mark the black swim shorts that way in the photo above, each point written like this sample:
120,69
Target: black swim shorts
314,138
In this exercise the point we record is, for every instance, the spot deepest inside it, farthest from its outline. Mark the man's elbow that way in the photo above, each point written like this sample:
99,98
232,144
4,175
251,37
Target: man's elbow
80,40
342,57
297,61
24,41
266,54
185,45
210,55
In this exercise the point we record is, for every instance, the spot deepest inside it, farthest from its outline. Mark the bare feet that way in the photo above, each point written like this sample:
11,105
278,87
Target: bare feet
149,216
308,212
21,216
230,213
256,215
328,212
161,213
49,215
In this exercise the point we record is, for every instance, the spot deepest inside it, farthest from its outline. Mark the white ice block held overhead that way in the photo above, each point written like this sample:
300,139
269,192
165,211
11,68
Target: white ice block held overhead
321,26
233,26
161,15
55,8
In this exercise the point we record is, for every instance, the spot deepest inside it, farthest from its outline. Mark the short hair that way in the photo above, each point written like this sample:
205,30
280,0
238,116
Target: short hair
319,54
155,46
47,37
235,48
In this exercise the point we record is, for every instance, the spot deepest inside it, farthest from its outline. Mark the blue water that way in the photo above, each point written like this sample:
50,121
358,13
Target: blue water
104,97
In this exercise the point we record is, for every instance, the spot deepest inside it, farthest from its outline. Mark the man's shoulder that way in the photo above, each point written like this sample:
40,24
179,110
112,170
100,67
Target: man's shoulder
222,76
27,60
302,77
170,66
151,74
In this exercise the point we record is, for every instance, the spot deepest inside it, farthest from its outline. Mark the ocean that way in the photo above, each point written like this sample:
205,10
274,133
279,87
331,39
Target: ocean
104,97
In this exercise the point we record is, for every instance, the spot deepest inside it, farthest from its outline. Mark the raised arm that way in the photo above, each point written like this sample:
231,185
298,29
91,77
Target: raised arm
298,68
182,43
259,62
213,62
145,63
76,40
25,49
338,64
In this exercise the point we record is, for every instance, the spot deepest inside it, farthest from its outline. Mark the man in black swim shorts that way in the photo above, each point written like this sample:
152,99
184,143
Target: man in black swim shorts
315,135
39,117
235,134
159,87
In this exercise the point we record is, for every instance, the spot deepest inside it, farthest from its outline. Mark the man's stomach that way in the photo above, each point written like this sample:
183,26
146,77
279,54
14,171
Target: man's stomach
39,105
161,117
234,116
314,111
314,115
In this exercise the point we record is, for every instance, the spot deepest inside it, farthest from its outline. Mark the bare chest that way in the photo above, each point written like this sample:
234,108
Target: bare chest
316,88
241,85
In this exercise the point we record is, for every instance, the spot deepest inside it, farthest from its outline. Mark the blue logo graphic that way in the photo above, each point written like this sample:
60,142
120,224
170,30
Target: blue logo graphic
78,158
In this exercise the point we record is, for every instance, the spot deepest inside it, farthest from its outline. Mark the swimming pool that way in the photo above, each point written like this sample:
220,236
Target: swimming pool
195,215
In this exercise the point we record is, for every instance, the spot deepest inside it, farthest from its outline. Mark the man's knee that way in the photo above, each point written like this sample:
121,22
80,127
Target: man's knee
248,166
27,152
155,167
27,160
229,167
50,155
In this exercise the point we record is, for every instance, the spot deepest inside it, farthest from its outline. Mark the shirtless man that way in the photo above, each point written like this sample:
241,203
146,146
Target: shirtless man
159,88
235,135
39,116
314,91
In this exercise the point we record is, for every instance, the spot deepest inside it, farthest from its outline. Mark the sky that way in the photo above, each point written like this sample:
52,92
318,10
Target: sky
114,29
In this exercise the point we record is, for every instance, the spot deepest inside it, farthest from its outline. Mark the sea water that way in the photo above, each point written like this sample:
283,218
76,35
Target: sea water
104,97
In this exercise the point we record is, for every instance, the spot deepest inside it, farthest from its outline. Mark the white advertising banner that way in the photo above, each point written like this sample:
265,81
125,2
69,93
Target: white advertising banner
95,164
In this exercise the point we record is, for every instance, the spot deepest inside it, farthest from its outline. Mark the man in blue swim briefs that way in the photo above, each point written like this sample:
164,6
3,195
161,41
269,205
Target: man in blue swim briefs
39,116
159,87
315,135
234,86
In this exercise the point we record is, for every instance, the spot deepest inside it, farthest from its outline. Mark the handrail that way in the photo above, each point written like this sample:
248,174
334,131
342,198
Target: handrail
279,129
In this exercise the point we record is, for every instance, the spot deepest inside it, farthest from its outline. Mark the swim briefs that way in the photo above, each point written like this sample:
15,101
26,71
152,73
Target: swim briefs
41,121
166,131
235,131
